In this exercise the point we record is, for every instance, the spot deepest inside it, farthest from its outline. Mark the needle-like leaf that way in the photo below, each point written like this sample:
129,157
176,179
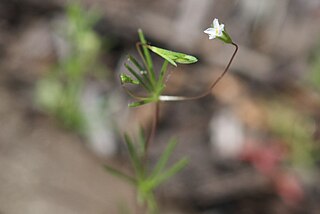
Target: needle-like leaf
164,158
147,56
162,177
137,165
139,103
119,174
142,141
142,70
136,63
137,76
163,72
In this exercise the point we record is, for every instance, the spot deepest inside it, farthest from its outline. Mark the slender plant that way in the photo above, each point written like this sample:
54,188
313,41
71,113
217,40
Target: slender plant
144,75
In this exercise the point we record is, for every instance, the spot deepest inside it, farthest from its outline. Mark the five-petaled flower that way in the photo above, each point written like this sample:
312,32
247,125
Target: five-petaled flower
216,30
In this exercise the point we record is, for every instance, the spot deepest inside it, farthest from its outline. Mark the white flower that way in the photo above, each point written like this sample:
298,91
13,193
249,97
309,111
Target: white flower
216,30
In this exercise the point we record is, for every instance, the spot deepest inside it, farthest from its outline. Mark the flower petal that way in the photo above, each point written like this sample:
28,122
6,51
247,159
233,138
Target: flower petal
221,27
216,23
209,31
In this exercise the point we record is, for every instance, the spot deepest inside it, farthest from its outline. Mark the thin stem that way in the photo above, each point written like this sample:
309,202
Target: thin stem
208,91
153,128
163,72
227,68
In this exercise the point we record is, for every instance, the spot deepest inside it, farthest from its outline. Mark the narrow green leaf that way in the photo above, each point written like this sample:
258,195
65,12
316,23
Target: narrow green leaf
137,76
136,163
147,56
142,70
163,55
119,174
136,63
173,57
124,78
163,72
170,172
142,141
164,158
139,103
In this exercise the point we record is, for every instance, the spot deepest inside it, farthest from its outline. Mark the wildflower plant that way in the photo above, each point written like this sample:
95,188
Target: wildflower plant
146,181
144,75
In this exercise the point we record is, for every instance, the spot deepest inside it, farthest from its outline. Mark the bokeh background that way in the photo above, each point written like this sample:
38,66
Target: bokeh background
253,145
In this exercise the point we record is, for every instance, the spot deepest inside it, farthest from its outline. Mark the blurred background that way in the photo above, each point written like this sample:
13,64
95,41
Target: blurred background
253,145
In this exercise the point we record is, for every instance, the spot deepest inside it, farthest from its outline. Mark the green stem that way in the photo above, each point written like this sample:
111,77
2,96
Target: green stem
153,129
148,60
163,73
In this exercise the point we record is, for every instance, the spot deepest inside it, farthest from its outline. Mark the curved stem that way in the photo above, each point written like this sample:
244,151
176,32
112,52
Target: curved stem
208,91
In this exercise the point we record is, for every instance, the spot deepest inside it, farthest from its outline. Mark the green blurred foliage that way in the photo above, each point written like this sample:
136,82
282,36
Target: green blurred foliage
146,180
59,92
294,128
314,75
